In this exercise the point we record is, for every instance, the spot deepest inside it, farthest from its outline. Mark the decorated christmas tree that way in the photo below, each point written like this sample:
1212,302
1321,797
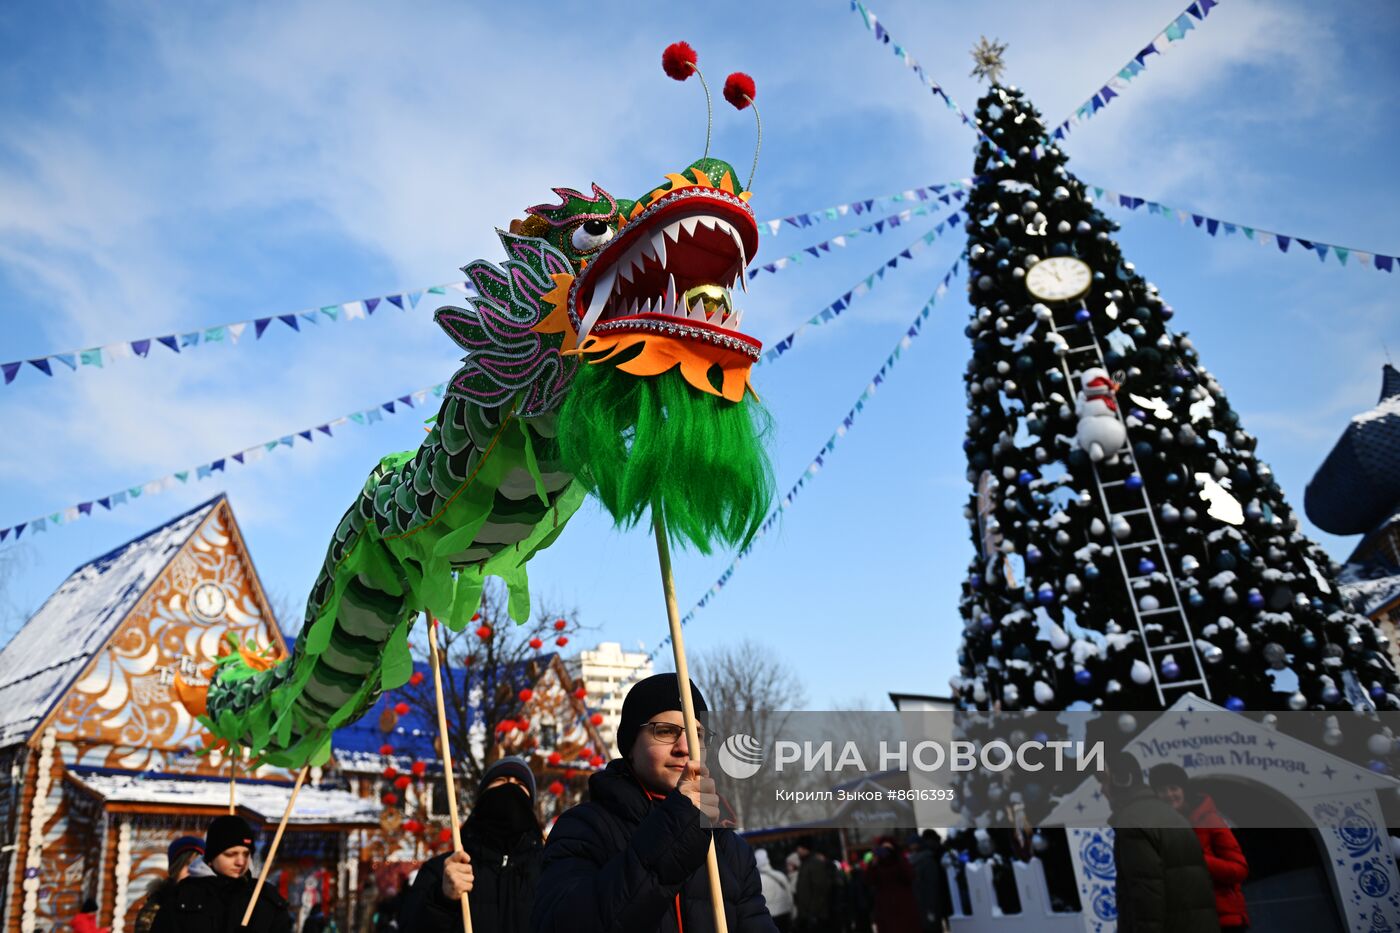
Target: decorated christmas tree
1130,545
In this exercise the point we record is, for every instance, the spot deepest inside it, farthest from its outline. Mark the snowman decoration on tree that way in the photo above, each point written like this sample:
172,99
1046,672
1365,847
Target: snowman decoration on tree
1101,432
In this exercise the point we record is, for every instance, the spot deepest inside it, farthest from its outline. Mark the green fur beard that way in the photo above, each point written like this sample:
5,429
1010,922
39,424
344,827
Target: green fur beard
640,442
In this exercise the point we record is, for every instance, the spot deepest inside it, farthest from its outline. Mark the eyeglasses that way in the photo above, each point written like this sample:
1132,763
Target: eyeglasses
668,733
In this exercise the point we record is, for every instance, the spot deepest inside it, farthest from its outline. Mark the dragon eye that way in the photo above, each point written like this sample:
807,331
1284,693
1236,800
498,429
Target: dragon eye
591,235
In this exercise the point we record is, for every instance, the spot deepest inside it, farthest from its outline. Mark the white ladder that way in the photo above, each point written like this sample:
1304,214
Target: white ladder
1170,632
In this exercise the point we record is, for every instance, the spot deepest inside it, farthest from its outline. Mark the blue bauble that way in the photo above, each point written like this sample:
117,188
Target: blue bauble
1255,599
1133,482
1025,477
975,581
996,643
1091,572
987,622
1170,670
1146,566
1167,313
1055,376
1139,414
1377,692
1142,450
1003,244
1234,704
1172,479
1224,561
1082,315
1377,766
1195,600
1330,695
1083,677
968,444
1045,594
963,856
1309,640
1032,554
1059,249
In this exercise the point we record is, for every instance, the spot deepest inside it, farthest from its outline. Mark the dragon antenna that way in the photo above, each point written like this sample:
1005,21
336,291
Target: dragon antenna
679,62
740,91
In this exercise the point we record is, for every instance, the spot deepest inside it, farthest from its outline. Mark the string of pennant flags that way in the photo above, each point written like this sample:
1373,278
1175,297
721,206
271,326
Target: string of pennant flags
914,330
376,413
838,307
1173,32
882,35
864,206
841,240
249,455
1214,226
226,334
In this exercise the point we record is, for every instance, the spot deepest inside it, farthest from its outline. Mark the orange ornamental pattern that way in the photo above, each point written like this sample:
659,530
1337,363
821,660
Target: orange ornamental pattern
123,707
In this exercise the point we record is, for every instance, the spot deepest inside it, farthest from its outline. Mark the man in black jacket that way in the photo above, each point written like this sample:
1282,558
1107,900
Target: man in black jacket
1162,883
499,868
216,902
632,859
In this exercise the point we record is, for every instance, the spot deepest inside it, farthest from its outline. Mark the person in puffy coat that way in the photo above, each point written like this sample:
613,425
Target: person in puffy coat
1162,884
1224,859
777,891
215,902
632,858
499,869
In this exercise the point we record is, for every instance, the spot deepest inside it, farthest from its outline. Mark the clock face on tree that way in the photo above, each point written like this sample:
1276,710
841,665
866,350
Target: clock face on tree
208,601
1059,278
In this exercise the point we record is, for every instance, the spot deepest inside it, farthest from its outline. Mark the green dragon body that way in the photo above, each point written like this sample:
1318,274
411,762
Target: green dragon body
636,287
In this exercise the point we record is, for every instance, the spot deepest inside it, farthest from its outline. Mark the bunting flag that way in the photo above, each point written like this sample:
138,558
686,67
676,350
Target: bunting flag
1215,227
230,333
817,250
838,307
1175,31
818,462
941,192
245,457
881,34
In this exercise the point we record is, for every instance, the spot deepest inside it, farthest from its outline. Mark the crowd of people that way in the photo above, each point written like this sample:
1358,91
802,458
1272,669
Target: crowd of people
633,858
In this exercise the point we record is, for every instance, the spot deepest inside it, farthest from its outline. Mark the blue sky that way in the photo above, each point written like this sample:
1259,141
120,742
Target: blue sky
169,167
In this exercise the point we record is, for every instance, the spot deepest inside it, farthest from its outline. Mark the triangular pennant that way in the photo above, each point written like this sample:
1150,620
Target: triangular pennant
325,429
10,370
290,320
169,341
42,364
238,456
67,359
306,435
259,326
371,304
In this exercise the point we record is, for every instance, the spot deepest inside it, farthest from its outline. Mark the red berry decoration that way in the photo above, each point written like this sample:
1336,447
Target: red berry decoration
416,678
386,749
476,617
596,761
556,788
536,644
678,61
560,625
580,692
526,695
596,719
555,758
413,826
402,781
390,773
419,768
401,709
390,799
562,640
505,725
444,835
569,774
483,632
739,90
523,723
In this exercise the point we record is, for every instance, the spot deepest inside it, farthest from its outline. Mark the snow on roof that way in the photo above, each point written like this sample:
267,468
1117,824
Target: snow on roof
266,801
42,659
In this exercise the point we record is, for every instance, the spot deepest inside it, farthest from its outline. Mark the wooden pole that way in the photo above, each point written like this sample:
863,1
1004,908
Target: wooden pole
448,779
232,777
692,734
276,841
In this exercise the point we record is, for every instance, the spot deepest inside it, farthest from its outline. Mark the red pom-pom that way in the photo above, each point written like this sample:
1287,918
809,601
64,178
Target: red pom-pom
505,725
596,719
739,90
401,709
569,774
526,695
401,782
522,724
416,679
476,617
536,644
390,799
413,826
581,692
444,835
596,761
386,749
678,61
419,768
560,625
555,758
562,640
556,788
390,773
484,632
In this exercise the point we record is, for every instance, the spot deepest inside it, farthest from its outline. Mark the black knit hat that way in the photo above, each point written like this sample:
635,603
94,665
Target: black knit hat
227,832
1167,775
510,766
656,694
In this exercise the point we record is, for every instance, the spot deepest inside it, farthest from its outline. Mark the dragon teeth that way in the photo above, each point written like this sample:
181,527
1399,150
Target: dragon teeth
688,225
602,292
658,248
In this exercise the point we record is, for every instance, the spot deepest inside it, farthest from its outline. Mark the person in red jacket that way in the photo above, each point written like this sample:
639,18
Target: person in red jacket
1224,859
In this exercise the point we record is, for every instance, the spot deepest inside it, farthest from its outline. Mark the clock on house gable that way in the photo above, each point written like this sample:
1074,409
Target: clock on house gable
127,625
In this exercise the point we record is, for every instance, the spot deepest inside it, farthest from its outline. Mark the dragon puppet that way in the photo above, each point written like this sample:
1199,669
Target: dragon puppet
603,355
